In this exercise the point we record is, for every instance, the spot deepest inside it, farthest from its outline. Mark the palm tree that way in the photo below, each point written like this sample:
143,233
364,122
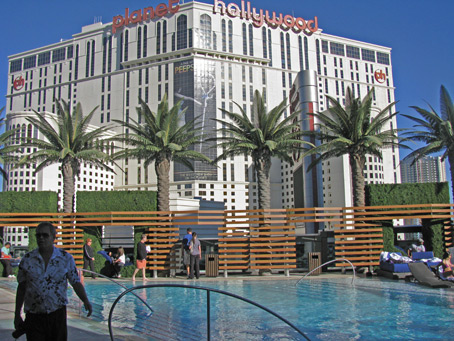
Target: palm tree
67,139
436,131
6,149
161,139
263,136
354,132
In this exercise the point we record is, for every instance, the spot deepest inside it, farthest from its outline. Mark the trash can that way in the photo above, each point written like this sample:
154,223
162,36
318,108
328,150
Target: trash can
211,265
314,262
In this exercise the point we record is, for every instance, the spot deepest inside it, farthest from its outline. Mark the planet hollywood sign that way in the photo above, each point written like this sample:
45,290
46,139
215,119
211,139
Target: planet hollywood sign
147,13
245,12
285,22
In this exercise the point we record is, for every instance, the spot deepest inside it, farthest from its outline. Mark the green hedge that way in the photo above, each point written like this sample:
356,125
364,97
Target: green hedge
116,201
409,194
33,202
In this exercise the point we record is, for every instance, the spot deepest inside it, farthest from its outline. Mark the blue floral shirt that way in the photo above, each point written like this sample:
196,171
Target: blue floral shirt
46,288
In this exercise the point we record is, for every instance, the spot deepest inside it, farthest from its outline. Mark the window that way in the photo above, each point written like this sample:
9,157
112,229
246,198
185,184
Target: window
244,40
126,45
16,65
182,32
205,30
224,36
324,46
270,47
69,51
289,60
139,42
251,40
44,58
282,51
265,51
145,41
368,55
337,49
29,62
58,55
164,36
230,36
383,58
352,52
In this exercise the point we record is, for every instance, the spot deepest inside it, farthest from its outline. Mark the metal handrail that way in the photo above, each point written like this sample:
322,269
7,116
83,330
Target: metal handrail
118,283
331,261
208,291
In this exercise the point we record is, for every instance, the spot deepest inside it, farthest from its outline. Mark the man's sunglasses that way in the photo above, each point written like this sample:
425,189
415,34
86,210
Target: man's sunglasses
42,235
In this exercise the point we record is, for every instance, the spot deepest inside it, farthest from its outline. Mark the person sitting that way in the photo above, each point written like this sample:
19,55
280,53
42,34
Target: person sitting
420,247
447,266
119,262
6,260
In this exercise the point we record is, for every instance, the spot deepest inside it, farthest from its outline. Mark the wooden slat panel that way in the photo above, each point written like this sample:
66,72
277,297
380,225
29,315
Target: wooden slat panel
364,242
345,231
376,235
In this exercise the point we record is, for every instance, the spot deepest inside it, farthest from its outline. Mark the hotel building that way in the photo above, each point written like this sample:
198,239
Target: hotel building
426,169
209,56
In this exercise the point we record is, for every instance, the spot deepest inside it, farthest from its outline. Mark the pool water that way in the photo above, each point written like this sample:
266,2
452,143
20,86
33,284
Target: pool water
371,309
324,309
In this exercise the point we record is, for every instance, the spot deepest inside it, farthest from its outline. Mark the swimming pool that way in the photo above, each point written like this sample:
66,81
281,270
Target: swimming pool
325,309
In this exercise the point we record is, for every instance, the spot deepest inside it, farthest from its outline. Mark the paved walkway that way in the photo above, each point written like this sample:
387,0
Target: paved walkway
79,329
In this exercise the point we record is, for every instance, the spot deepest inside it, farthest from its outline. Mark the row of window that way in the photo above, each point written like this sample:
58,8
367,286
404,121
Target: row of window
43,58
355,52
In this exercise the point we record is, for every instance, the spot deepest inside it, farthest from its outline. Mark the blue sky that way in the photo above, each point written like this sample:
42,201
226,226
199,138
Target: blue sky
417,31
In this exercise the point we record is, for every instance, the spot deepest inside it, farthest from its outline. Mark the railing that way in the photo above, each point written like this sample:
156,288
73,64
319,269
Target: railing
248,239
326,263
208,309
117,283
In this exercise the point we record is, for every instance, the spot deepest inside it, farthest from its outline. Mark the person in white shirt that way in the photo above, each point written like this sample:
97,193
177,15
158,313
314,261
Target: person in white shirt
119,261
420,247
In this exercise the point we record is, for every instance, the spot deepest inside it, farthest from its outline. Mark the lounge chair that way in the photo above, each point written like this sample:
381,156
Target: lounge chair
422,273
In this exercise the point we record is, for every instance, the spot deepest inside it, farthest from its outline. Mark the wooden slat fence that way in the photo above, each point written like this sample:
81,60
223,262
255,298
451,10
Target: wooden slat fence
248,239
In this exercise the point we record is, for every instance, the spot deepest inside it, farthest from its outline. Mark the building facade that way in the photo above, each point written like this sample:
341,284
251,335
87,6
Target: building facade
426,169
210,56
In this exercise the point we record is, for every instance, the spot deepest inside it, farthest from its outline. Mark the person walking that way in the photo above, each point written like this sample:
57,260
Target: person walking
89,257
141,259
43,282
6,260
196,255
185,249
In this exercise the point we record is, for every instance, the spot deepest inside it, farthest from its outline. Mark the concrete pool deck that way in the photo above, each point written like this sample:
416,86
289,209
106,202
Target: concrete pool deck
85,329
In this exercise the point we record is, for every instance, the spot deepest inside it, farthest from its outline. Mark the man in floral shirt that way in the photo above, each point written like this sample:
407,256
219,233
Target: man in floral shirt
43,281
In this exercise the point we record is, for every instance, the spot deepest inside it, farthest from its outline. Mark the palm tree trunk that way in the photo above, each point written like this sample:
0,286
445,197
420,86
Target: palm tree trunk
262,167
357,162
68,187
162,167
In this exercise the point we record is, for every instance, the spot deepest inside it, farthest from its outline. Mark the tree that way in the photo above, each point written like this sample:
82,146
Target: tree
67,139
161,139
436,131
6,147
263,136
354,132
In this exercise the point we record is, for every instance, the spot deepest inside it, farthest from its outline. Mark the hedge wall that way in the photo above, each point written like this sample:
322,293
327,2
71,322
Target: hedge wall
408,194
116,201
33,202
